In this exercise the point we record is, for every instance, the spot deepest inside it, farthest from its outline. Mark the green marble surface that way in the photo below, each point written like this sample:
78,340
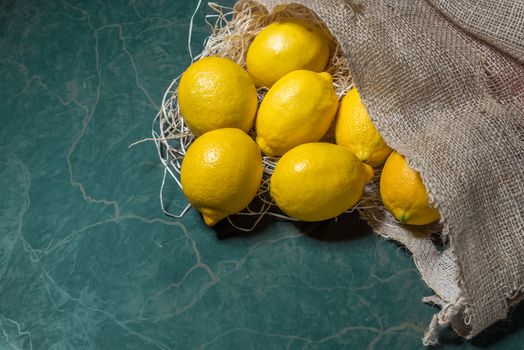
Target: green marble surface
87,259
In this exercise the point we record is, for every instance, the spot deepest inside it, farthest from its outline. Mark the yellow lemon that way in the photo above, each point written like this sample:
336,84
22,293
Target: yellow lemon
285,46
317,181
215,93
403,193
355,130
221,173
299,108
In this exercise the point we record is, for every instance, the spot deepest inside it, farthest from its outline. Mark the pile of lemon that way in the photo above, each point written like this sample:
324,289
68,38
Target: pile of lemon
222,170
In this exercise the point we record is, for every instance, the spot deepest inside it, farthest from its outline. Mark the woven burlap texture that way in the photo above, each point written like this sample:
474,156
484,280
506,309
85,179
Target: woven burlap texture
444,83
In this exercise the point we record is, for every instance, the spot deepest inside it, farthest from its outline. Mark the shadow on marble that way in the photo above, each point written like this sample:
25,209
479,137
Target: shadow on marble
345,228
224,230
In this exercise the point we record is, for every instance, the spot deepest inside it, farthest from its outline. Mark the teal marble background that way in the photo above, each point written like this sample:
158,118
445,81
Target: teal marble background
88,261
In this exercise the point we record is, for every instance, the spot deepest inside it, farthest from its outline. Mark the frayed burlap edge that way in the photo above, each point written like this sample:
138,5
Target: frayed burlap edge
455,308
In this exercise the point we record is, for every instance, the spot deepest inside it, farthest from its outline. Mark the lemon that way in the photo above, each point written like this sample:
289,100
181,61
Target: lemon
403,193
299,108
317,181
221,173
285,46
215,93
355,130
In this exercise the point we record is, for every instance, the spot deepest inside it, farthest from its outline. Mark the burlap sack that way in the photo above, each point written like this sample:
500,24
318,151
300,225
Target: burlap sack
443,80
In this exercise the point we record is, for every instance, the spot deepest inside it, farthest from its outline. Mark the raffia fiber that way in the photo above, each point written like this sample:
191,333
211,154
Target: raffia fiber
232,31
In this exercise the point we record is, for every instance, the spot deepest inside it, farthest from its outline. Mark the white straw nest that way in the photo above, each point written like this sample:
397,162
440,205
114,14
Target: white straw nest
233,29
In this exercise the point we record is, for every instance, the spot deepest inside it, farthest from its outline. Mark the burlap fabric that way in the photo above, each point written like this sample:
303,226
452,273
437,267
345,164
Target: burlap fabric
444,83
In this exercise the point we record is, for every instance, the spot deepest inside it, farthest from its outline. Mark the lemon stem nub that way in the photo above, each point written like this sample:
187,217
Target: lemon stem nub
368,172
403,218
210,221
